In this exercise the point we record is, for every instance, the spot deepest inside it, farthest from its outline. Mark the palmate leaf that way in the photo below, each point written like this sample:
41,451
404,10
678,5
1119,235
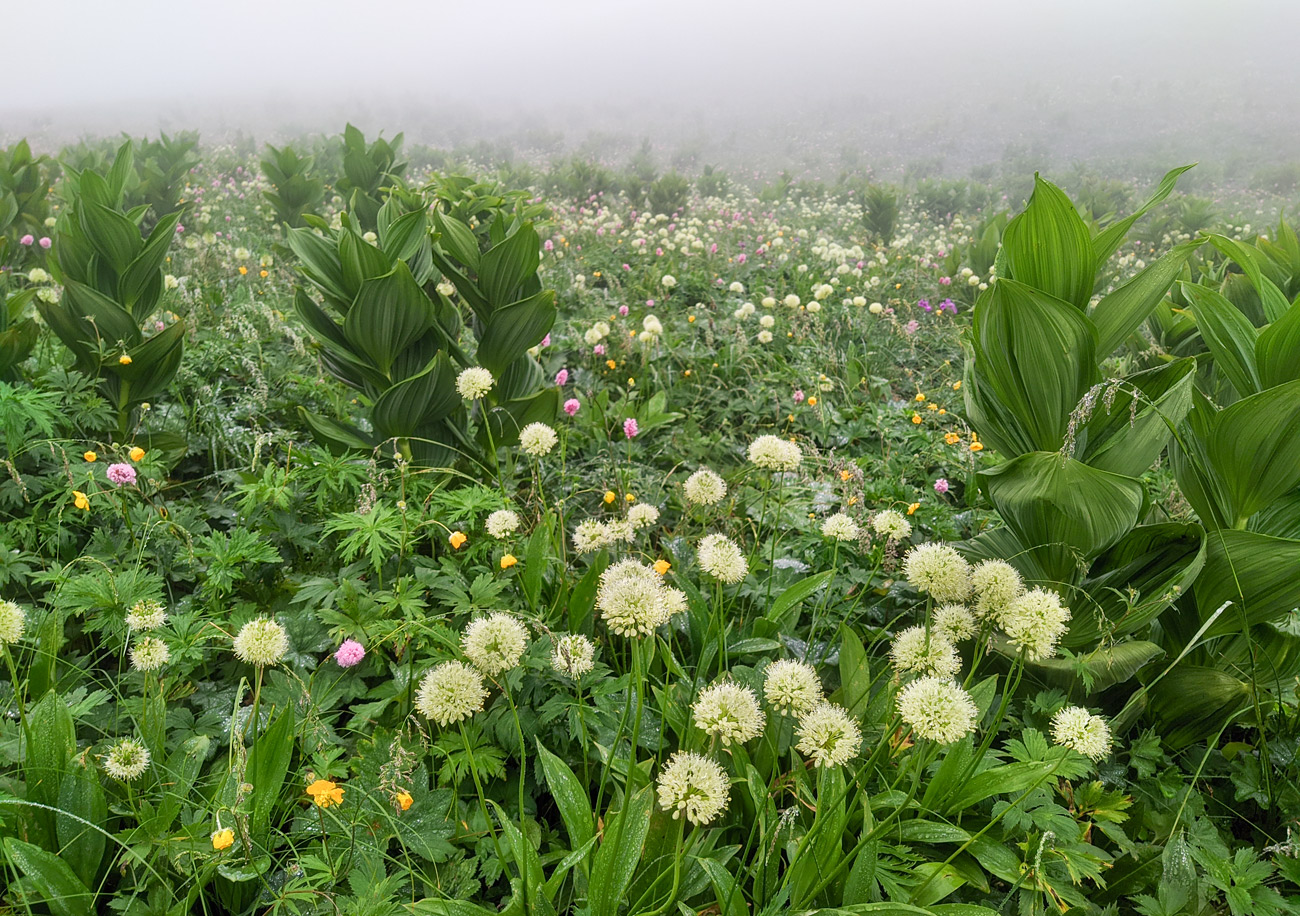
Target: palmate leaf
1064,510
1035,358
1048,247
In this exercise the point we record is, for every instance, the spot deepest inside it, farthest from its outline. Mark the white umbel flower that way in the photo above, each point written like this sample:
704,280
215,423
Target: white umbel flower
828,735
642,515
729,712
149,654
13,621
574,655
693,786
705,488
840,527
474,382
502,523
261,642
917,650
146,614
955,622
791,688
721,558
1035,623
996,584
633,599
938,570
892,524
494,644
127,760
452,691
589,535
1076,728
537,439
773,453
937,709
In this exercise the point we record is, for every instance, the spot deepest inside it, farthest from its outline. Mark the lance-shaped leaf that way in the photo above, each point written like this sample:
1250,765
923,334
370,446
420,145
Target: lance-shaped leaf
1126,437
424,398
1110,238
388,315
114,236
1048,246
514,328
505,266
1277,350
1229,335
153,362
321,265
1092,672
1119,314
338,437
457,240
139,283
113,325
1272,300
360,261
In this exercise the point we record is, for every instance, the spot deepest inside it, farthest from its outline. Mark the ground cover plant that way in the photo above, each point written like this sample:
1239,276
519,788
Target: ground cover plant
386,532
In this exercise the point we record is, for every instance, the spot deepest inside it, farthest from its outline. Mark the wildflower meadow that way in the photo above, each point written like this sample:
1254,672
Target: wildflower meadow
397,530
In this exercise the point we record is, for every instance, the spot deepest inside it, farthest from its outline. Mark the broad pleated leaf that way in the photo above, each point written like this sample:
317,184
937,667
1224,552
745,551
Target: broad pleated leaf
1110,238
1277,351
1127,438
1102,668
1119,314
1048,246
423,398
513,329
1257,572
1229,335
1272,300
505,266
389,313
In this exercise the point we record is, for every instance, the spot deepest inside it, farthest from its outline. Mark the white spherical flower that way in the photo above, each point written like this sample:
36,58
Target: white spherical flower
127,760
814,307
1076,728
917,650
938,570
642,515
502,523
474,382
704,488
537,439
955,621
452,691
774,453
668,281
791,301
146,614
593,337
494,644
764,337
446,288
590,534
729,712
875,308
768,302
261,642
840,528
891,524
767,321
996,584
791,688
937,709
693,786
828,735
13,621
1035,623
633,599
721,557
574,655
736,287
652,325
619,529
149,654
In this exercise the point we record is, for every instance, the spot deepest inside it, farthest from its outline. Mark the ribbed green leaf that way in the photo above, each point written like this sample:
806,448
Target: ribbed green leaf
514,328
1229,335
360,261
1096,671
388,315
1126,438
82,808
505,266
320,264
268,764
52,878
619,853
1049,248
113,324
115,237
457,240
1119,314
138,282
1110,238
1277,351
424,398
570,798
338,437
1257,572
1272,301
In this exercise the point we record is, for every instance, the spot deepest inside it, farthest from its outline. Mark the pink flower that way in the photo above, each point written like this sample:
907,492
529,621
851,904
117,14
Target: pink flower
912,326
26,240
649,303
659,252
571,406
798,395
561,377
741,258
598,349
945,281
350,653
622,309
548,245
546,341
630,427
159,326
121,474
941,485
713,249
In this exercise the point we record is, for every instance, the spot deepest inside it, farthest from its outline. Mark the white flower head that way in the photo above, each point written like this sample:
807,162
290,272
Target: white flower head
261,642
996,584
1076,728
791,688
452,691
840,527
574,655
693,786
13,620
722,558
955,622
938,570
773,453
937,709
502,523
146,614
642,515
149,654
729,712
917,650
828,735
127,760
705,488
1035,623
537,439
473,383
891,524
494,644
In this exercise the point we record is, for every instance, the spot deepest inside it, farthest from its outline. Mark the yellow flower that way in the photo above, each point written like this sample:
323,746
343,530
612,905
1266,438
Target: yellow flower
509,560
687,373
136,453
932,406
911,510
325,793
223,839
263,274
242,270
610,364
691,319
977,446
631,383
919,397
662,566
630,497
90,456
631,333
610,496
952,438
916,418
846,475
80,500
956,386
404,799
942,411
812,401
456,539
124,360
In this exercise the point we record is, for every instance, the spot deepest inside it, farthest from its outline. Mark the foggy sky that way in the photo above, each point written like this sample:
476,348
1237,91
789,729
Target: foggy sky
279,67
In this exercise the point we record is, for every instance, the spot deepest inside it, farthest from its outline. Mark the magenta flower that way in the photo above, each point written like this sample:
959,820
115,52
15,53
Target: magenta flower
45,241
26,240
548,245
622,309
741,259
798,395
121,474
350,653
941,485
649,303
598,349
571,406
924,303
561,377
945,281
546,341
630,428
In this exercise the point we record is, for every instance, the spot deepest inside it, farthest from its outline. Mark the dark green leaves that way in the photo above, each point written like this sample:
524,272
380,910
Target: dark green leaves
388,315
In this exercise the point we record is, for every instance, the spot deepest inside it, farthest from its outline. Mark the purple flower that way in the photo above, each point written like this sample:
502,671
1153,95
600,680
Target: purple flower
924,304
26,239
571,406
350,653
561,377
941,485
949,305
630,428
121,474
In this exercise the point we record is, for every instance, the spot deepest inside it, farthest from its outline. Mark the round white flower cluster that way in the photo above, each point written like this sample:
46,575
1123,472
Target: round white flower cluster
939,571
634,601
773,453
828,735
704,488
840,527
574,655
937,709
891,524
1076,728
494,644
502,523
473,383
537,439
694,786
791,688
261,642
722,558
729,712
918,651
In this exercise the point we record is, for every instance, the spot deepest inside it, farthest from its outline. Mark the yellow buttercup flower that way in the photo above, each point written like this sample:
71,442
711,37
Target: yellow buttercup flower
325,794
124,360
662,566
611,364
404,799
920,397
509,560
630,497
610,496
812,402
90,456
223,839
846,475
243,271
911,510
977,446
137,453
956,386
80,500
916,418
457,538
952,438
263,274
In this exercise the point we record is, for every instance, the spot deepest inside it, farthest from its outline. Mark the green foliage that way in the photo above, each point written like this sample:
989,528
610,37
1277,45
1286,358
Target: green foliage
297,189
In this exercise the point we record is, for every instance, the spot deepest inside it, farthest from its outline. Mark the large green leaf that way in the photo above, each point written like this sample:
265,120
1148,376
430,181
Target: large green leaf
1277,350
268,764
1093,672
143,275
337,437
64,894
83,814
1229,335
1126,437
321,264
1110,238
115,237
360,261
389,314
1256,572
1119,314
457,240
570,798
1037,357
508,418
1192,702
514,328
1049,247
153,362
1065,511
424,398
113,325
619,853
504,267
1273,302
